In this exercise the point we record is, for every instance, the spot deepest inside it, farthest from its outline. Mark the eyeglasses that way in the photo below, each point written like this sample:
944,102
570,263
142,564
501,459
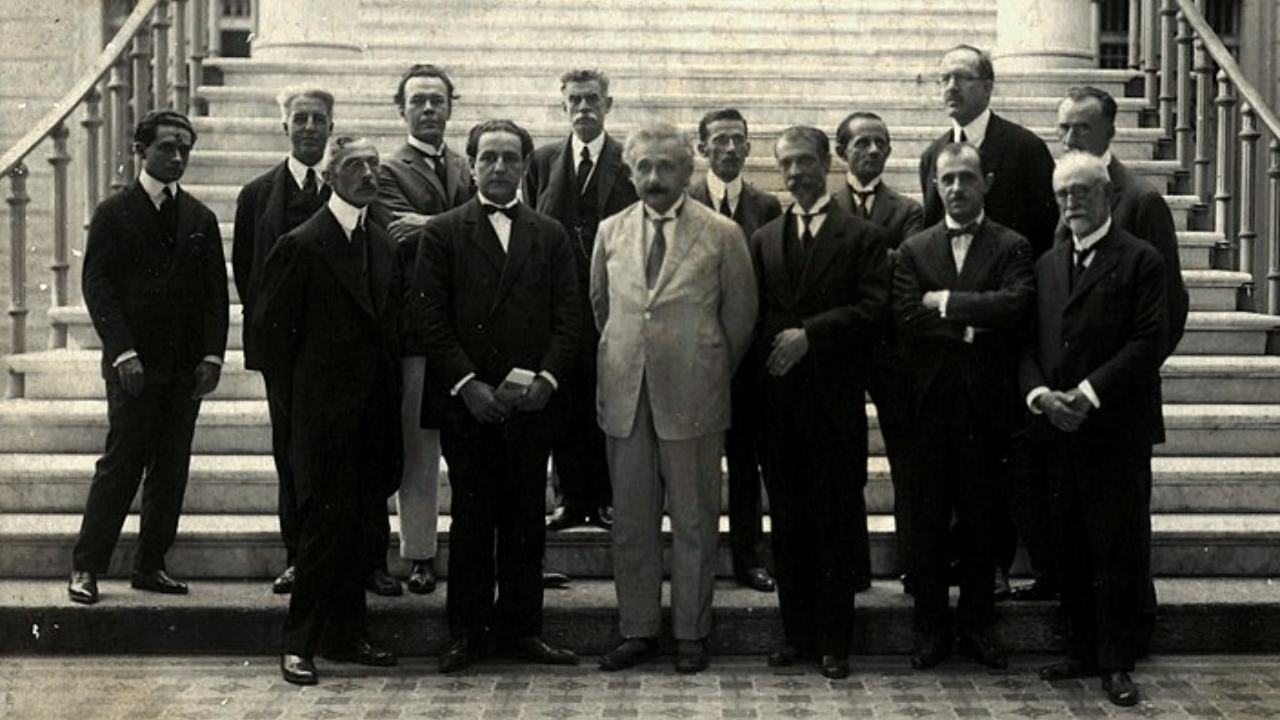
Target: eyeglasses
1075,192
958,78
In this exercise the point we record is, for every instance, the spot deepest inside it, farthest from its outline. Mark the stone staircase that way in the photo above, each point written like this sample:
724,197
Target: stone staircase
1217,480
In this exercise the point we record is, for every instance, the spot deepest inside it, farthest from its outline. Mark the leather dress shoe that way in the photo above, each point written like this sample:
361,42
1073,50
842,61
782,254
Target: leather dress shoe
603,517
566,517
362,652
83,587
554,580
930,650
789,655
157,581
462,654
629,653
1120,688
1037,590
1000,591
908,584
834,667
984,648
691,656
534,649
283,585
1067,670
757,578
380,583
861,583
297,669
422,577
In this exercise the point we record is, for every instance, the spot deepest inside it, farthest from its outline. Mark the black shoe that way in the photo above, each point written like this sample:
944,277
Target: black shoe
1001,590
283,585
1067,670
861,583
756,578
157,581
534,649
462,654
554,580
692,656
908,584
566,517
83,587
1120,688
629,653
1037,591
789,655
834,667
984,648
380,583
930,650
362,652
297,669
422,577
602,517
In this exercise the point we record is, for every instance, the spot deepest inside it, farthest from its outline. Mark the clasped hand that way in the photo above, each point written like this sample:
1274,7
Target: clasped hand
1066,411
483,404
789,348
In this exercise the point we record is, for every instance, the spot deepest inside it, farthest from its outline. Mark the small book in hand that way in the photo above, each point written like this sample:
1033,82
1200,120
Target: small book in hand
514,385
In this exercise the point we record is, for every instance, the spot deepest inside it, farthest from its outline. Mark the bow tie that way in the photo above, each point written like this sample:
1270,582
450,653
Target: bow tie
510,211
970,229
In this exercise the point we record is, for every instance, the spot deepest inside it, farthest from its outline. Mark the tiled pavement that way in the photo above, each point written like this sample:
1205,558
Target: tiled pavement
169,688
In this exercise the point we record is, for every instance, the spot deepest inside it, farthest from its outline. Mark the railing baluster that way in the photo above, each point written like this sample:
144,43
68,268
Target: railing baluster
215,28
1273,228
199,51
60,265
1184,131
118,132
160,25
1224,190
17,200
141,84
1168,66
1151,19
92,124
181,58
1248,163
1135,34
1201,170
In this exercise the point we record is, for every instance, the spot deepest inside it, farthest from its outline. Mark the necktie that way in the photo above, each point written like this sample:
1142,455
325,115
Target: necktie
359,244
309,186
584,170
806,237
725,210
169,216
1081,264
657,252
510,211
863,209
436,161
963,137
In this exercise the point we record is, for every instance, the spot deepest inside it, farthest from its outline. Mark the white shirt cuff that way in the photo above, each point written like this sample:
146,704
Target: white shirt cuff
1034,395
550,378
453,392
1087,389
942,307
126,355
212,359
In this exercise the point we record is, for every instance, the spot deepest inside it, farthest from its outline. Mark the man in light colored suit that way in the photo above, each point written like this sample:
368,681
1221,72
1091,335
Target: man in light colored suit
674,297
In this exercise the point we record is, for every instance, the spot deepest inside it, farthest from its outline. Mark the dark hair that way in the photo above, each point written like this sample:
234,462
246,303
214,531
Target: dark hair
1083,92
986,71
424,70
704,125
956,149
812,135
488,126
582,76
844,134
144,133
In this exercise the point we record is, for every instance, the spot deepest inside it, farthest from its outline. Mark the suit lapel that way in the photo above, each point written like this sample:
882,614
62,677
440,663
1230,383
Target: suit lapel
1104,258
941,257
607,172
455,171
698,191
687,230
884,207
481,234
992,144
381,260
558,185
148,217
337,253
418,163
275,198
818,258
778,279
977,259
523,232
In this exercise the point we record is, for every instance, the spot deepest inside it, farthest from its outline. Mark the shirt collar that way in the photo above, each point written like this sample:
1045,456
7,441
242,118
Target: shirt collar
595,147
427,149
486,201
1086,243
1106,159
347,215
859,187
155,188
818,206
716,187
953,225
975,131
672,212
298,170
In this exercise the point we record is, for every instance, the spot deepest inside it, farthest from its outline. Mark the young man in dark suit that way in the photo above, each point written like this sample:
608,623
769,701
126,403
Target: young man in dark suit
862,140
824,285
269,206
327,322
961,292
723,141
1091,375
580,181
495,295
155,283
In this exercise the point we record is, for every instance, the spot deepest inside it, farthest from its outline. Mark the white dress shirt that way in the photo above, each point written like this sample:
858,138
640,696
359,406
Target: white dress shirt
716,188
975,132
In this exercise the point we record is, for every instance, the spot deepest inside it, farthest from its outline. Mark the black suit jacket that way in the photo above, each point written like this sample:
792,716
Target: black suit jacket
1021,198
406,183
167,302
755,208
260,221
330,334
900,216
839,300
993,293
1110,329
550,187
480,310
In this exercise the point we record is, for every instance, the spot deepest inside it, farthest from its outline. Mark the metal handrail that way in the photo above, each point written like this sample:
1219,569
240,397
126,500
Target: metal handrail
1227,63
71,100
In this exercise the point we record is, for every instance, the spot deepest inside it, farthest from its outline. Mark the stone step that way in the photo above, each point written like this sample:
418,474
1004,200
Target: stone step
1227,333
248,546
1228,379
1214,290
246,484
1238,615
1195,249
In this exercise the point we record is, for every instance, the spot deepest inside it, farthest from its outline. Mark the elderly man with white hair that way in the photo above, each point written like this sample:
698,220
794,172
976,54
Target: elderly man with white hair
1091,376
674,297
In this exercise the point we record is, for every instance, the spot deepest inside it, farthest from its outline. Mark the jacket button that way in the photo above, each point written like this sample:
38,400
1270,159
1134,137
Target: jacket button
647,315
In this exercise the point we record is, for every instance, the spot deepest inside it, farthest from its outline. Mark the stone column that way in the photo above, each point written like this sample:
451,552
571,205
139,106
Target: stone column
306,30
1044,34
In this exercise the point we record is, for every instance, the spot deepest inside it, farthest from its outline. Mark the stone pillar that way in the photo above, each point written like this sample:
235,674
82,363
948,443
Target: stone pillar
306,30
1044,34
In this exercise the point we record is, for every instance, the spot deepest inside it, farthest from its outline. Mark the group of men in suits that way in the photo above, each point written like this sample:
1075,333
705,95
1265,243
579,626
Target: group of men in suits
587,301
